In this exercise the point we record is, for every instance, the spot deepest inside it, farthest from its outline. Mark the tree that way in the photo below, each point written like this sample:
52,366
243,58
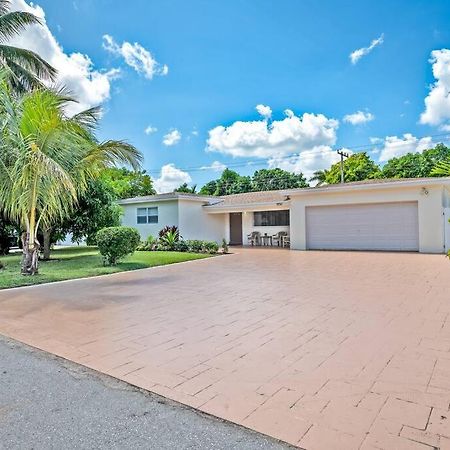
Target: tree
126,183
96,209
357,167
320,176
275,179
416,165
47,160
209,188
25,67
186,188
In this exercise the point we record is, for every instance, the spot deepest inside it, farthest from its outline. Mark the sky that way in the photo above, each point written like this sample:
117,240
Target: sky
202,85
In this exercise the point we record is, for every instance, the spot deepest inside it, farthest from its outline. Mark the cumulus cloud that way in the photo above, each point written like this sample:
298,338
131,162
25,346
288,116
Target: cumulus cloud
76,71
172,138
359,117
397,146
170,178
150,130
437,103
357,54
261,139
136,56
308,161
264,111
216,166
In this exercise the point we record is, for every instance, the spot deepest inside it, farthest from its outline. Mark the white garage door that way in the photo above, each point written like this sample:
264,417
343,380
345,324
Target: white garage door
380,226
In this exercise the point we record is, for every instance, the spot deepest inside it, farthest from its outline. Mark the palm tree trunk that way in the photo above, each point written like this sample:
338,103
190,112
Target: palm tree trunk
47,244
30,255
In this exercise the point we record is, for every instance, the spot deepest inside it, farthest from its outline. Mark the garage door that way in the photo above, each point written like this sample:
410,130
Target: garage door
380,226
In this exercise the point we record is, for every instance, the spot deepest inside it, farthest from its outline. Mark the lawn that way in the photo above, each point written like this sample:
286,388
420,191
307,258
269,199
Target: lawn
78,262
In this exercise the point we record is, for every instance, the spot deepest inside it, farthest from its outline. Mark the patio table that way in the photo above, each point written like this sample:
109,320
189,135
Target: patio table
266,239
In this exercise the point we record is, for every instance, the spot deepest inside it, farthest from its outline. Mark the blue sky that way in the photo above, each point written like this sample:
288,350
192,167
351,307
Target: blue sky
225,58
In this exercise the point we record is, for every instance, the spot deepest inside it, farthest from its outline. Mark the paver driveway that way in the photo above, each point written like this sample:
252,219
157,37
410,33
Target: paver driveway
320,349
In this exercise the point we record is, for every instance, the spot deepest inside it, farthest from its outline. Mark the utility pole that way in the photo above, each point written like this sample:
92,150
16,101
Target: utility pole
342,155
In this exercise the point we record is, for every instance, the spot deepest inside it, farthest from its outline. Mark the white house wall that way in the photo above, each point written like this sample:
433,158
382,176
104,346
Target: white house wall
430,211
167,215
196,223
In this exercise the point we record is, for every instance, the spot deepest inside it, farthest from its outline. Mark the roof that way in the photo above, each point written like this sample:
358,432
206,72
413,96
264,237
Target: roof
165,197
281,196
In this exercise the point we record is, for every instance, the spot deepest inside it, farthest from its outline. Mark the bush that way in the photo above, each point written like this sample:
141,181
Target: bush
116,242
181,246
224,246
172,230
195,246
211,247
148,245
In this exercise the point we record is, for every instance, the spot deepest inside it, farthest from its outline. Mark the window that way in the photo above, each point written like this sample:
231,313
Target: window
147,215
271,218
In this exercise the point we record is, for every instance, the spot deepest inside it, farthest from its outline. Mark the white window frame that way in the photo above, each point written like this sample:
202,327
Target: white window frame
148,214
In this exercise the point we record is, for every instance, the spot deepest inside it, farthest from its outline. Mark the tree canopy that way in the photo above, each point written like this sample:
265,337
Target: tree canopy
126,183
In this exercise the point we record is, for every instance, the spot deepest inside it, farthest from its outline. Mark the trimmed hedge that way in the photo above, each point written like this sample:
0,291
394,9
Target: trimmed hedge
114,243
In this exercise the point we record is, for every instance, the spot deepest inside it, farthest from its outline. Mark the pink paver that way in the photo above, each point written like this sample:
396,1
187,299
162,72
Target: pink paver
320,349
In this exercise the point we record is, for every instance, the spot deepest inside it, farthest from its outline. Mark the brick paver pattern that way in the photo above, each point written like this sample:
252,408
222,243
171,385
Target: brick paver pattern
324,350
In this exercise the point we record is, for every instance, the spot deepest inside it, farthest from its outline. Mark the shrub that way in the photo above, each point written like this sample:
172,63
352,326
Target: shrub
148,245
116,242
181,246
211,247
195,246
170,229
170,239
224,246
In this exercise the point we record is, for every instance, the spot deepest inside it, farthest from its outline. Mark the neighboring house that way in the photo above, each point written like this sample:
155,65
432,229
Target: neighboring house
393,215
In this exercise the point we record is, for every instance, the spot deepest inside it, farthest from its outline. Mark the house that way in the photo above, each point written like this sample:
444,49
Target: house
392,215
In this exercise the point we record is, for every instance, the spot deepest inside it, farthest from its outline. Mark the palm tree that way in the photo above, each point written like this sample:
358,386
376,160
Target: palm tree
320,176
47,160
442,169
26,68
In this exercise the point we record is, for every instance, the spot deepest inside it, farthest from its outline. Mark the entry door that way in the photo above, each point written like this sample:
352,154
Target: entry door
382,226
236,228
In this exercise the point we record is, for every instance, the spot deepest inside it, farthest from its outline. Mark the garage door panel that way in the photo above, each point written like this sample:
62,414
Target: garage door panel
380,226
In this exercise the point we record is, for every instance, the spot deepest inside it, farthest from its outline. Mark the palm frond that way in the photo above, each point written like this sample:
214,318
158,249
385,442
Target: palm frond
88,118
28,61
442,169
5,6
12,23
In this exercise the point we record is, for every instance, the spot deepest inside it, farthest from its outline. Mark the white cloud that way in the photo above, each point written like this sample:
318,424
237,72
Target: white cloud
264,111
308,161
359,117
76,71
375,140
194,133
261,139
397,146
170,178
356,55
150,130
437,103
136,56
216,166
172,138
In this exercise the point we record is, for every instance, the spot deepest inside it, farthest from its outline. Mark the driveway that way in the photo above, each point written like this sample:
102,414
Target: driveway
320,349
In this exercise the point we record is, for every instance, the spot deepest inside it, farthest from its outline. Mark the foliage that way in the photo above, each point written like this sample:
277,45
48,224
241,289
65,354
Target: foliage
320,176
7,235
416,165
197,246
209,188
169,239
95,209
170,229
357,167
224,246
126,183
26,68
275,179
81,261
181,246
114,243
186,188
148,245
47,160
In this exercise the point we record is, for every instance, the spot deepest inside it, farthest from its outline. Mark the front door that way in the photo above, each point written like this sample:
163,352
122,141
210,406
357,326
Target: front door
235,228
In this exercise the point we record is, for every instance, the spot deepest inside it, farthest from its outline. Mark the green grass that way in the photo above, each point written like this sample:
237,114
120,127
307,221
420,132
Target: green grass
79,262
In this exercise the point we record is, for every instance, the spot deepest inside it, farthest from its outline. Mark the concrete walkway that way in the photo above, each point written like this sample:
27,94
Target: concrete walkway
49,403
320,349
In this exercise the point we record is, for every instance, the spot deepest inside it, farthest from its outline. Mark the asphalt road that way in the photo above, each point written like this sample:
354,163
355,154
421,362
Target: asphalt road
49,403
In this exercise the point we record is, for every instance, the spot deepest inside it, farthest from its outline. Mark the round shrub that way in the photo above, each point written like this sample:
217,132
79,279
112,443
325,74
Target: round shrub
116,242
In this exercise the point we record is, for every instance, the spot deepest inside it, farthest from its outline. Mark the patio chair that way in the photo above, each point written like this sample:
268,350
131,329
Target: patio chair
254,238
278,238
286,241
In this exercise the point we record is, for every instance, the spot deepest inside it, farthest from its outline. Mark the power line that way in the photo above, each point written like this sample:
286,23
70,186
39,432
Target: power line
264,161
